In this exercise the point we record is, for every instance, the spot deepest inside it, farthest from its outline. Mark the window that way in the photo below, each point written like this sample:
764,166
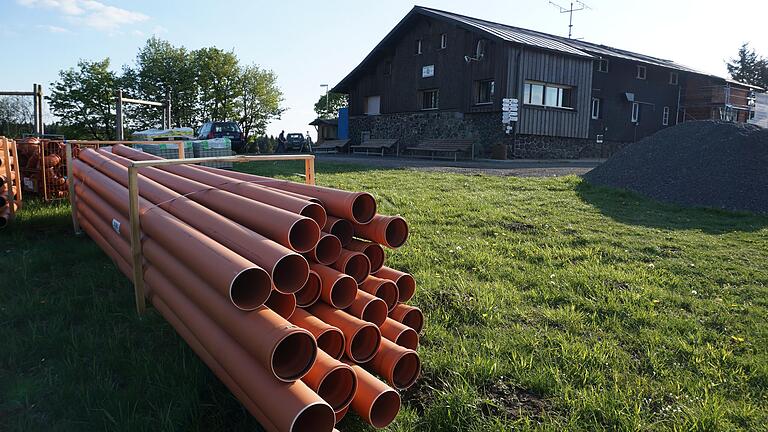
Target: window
552,95
665,117
673,78
387,68
428,71
602,65
444,41
373,105
417,50
635,112
595,108
429,99
480,49
484,91
641,72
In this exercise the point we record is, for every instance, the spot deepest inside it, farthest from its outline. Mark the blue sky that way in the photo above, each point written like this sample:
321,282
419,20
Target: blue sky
308,43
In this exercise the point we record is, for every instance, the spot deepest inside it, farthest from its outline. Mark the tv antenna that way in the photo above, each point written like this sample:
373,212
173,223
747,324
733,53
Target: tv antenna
579,6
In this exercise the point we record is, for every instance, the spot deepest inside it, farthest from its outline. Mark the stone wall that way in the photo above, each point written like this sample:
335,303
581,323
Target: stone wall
485,128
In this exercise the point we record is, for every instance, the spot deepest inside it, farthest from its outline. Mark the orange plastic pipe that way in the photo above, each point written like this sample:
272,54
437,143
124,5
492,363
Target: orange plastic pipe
353,263
282,304
390,231
288,270
310,292
332,380
408,315
362,338
327,250
329,338
376,402
340,414
369,308
399,333
229,273
359,207
286,350
291,230
406,284
374,252
337,289
341,228
400,366
385,289
292,203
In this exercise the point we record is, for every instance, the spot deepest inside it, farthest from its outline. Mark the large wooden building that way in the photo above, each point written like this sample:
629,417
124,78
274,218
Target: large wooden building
442,75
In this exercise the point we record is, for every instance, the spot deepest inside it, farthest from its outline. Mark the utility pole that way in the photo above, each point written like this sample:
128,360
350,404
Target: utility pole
580,6
327,102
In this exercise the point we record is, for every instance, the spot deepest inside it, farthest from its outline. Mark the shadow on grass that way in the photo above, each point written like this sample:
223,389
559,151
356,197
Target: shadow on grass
631,208
291,168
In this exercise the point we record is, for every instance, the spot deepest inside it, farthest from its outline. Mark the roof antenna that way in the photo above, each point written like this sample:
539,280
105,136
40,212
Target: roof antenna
580,6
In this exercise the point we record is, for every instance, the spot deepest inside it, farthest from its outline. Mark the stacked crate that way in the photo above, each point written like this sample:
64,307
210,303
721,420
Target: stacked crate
214,148
167,151
42,163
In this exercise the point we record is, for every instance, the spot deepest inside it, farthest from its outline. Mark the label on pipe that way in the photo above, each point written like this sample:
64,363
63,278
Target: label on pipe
116,225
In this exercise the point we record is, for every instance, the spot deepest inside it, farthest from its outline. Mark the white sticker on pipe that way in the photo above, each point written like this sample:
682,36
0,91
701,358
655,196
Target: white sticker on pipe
116,225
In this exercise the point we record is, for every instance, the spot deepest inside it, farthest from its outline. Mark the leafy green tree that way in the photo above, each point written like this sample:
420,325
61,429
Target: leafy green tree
218,76
83,99
330,108
748,67
259,101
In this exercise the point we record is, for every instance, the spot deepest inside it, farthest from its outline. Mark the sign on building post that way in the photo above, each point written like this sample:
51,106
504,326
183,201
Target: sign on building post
509,113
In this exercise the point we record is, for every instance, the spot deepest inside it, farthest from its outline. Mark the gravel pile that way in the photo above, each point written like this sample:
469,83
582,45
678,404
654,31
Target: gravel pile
696,164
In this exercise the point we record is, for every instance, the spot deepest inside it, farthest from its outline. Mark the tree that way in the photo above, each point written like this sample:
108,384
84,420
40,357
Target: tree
259,100
218,75
331,108
83,98
748,67
16,115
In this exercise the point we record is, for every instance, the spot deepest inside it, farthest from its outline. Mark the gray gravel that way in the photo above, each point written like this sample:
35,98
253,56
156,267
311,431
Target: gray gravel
695,164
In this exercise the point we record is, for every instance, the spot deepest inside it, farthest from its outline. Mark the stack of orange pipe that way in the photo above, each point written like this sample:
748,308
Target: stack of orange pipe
300,324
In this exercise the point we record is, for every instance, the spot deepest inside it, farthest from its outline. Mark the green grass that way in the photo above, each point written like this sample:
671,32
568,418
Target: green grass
551,305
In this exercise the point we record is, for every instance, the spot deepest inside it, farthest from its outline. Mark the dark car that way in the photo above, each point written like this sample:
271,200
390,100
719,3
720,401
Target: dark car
294,141
229,130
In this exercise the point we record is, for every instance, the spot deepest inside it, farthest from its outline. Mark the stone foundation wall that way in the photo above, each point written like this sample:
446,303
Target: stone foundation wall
485,128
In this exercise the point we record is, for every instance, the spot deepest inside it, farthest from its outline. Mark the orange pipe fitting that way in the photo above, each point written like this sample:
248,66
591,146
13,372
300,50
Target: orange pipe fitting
369,308
329,338
362,338
375,402
400,366
355,264
282,304
374,252
338,289
332,380
408,315
400,334
327,250
390,231
341,228
310,292
406,284
384,289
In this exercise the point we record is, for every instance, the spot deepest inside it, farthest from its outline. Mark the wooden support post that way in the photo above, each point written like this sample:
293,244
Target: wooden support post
43,168
181,149
309,170
71,185
6,143
135,226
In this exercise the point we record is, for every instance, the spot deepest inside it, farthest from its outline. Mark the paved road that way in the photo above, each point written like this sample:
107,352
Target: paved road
518,167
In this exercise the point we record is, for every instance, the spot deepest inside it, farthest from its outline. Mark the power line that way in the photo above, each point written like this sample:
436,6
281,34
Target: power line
580,6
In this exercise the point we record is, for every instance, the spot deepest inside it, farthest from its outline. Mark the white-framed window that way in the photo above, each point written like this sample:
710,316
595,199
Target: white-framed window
665,117
642,72
545,94
444,41
635,112
417,48
427,71
429,99
373,105
673,78
602,65
595,108
484,91
599,138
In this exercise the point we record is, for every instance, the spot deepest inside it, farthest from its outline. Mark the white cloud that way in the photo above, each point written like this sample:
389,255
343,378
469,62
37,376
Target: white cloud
89,13
53,28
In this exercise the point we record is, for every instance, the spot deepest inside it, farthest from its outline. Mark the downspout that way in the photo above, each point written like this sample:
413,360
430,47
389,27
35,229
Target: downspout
677,111
519,94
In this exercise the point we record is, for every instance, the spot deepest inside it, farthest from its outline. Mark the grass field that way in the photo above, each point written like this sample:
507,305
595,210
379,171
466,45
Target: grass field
551,305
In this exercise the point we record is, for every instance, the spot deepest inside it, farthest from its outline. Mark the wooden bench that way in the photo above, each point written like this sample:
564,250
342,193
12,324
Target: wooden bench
380,145
454,146
330,146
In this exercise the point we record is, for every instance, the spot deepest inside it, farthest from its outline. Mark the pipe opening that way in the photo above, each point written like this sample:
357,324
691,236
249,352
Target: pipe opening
328,249
316,417
3,200
363,208
332,342
388,292
406,370
365,343
250,289
408,338
375,312
294,356
304,235
384,409
397,232
282,304
340,414
290,273
406,286
310,292
375,254
3,222
338,387
343,292
414,319
358,267
316,212
344,230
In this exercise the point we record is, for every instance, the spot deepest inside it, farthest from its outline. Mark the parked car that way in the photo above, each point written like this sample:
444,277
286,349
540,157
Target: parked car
230,130
295,141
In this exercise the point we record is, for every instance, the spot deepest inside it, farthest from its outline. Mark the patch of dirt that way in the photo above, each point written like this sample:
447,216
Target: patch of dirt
505,399
519,227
